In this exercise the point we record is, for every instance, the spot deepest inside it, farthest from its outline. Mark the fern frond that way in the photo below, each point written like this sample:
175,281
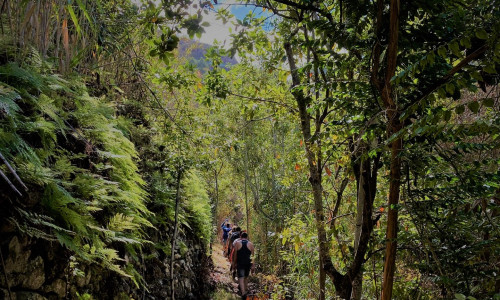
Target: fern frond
32,231
8,98
20,78
68,209
47,107
34,59
120,222
42,220
74,244
126,240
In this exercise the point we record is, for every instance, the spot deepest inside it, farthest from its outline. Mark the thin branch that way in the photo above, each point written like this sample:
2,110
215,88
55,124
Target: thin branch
309,7
13,172
264,100
165,110
338,217
474,55
10,183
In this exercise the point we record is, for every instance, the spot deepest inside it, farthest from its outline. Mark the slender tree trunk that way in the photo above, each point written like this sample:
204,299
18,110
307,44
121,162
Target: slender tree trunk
216,200
315,180
392,218
245,166
214,211
322,282
342,283
247,209
394,125
174,236
357,284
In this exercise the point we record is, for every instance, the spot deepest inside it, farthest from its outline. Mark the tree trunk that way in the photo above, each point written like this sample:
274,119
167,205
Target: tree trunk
392,216
247,208
174,236
357,286
216,225
394,125
315,168
342,283
357,283
315,180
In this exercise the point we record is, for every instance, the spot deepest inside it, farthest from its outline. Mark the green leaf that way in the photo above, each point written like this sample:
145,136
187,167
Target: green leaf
473,106
460,297
447,115
86,14
488,102
74,19
476,76
481,34
431,57
490,68
460,109
450,88
455,48
465,42
441,92
442,51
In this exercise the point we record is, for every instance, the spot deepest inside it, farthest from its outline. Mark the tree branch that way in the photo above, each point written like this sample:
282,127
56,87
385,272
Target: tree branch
11,169
474,55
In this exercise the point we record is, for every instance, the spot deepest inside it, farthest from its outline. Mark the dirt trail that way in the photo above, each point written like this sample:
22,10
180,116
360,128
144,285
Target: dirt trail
227,288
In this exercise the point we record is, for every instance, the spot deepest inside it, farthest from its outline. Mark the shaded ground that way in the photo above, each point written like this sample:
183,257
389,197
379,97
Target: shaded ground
226,287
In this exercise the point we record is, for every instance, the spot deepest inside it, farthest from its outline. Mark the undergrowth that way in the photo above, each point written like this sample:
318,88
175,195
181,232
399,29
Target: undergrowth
77,157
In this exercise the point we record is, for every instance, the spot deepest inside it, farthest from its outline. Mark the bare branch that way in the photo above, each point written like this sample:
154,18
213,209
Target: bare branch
10,183
13,172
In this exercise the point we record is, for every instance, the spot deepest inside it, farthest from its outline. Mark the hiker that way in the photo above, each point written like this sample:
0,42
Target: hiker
234,235
234,240
242,262
225,230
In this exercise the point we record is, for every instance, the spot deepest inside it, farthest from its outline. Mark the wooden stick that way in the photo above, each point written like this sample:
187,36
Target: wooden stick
10,183
11,169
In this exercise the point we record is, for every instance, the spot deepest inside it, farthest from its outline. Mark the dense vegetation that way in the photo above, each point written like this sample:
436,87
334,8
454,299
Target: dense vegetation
357,141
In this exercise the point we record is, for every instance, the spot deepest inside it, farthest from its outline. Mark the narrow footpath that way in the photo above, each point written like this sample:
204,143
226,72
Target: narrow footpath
227,288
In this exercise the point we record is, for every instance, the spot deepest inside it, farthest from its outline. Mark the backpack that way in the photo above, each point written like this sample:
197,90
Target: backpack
234,236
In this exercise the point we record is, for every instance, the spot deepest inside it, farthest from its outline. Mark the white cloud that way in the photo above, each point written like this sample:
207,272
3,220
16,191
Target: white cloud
216,31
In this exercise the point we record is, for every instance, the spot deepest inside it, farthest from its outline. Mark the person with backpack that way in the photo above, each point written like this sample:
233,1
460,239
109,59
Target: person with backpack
234,235
242,262
225,231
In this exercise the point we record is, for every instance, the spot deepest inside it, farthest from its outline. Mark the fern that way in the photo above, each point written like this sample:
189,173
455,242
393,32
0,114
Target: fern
198,202
41,220
65,207
8,98
14,75
92,195
120,222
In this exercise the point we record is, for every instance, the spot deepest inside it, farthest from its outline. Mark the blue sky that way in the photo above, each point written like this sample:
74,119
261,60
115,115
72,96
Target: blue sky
221,32
240,11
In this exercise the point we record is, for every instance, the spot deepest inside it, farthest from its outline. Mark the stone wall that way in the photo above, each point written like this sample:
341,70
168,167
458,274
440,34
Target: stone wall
38,269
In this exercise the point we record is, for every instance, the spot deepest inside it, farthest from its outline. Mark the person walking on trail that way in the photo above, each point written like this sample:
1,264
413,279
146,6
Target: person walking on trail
225,230
234,235
242,262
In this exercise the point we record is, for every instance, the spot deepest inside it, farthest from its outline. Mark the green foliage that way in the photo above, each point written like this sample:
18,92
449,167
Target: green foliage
95,147
65,144
298,241
198,206
8,98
